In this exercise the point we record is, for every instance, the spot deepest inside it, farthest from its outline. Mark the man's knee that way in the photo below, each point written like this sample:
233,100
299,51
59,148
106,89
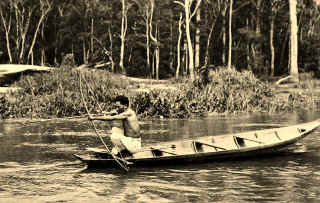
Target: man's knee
131,144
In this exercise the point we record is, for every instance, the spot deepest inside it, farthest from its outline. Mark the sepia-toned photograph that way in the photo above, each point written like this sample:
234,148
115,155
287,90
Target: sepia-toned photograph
164,101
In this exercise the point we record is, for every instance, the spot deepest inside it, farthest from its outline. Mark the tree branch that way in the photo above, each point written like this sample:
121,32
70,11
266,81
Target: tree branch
178,2
195,10
43,15
150,22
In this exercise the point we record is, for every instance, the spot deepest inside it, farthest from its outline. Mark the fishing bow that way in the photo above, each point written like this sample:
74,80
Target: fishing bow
122,163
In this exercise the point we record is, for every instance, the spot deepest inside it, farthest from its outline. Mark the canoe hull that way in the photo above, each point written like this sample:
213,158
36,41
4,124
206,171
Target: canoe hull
94,160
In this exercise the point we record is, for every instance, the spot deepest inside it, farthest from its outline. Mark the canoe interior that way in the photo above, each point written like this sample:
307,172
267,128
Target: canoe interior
202,148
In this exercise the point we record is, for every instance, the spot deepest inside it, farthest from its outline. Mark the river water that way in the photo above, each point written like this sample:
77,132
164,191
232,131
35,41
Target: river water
37,165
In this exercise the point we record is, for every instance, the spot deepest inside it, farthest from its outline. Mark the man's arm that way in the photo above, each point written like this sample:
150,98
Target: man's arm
113,112
121,116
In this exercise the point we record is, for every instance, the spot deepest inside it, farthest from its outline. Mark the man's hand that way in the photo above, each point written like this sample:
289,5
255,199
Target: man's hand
107,117
90,118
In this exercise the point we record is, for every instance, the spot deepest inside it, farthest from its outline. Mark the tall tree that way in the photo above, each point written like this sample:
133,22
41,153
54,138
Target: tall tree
179,47
23,15
224,7
230,35
197,40
275,6
154,38
45,7
27,16
213,12
6,19
256,47
146,8
187,5
271,42
124,27
293,52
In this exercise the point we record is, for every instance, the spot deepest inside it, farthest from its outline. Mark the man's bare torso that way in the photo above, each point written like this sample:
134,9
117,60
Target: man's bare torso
131,125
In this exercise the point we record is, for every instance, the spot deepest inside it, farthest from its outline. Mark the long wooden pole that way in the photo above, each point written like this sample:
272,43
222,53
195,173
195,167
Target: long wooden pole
123,163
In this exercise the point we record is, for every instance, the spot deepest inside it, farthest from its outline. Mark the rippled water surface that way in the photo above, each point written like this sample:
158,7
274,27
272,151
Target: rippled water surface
37,165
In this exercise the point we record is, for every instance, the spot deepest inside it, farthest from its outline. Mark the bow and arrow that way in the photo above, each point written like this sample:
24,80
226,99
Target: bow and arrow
121,162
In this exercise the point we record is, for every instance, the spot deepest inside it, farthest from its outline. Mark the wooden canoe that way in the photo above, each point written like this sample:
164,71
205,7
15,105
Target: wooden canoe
12,72
210,148
10,69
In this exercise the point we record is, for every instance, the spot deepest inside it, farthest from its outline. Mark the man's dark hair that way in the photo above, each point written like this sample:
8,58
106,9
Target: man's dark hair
122,99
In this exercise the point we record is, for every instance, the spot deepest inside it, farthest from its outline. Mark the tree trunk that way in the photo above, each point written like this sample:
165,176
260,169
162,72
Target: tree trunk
230,35
157,53
293,40
91,38
43,57
188,35
32,58
272,46
283,48
178,47
157,62
206,58
249,64
55,56
153,66
224,35
123,35
257,45
156,42
188,16
185,57
43,51
258,26
110,54
84,52
148,41
171,59
197,41
22,27
7,27
45,8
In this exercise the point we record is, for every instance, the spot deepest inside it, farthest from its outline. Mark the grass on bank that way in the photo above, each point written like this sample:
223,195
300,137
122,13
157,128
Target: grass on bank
57,94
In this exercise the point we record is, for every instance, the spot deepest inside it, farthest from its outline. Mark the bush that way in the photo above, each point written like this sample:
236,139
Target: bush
232,91
58,94
160,103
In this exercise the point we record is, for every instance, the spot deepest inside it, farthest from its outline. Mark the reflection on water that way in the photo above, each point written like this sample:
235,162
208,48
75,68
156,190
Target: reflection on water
36,165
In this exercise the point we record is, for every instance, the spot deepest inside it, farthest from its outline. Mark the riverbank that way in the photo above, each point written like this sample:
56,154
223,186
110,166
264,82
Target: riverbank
56,94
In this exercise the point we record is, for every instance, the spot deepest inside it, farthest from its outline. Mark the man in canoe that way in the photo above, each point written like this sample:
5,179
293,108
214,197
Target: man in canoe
125,132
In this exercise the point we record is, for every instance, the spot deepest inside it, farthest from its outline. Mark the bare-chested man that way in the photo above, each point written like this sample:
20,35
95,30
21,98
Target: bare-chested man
125,133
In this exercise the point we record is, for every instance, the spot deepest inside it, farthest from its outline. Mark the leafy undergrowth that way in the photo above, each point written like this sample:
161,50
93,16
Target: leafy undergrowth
57,94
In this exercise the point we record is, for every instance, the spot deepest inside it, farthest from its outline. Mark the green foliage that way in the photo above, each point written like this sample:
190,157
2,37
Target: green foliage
227,91
68,60
161,103
3,107
58,94
232,91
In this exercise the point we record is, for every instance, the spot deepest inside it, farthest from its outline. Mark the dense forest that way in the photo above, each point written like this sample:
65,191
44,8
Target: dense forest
162,39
